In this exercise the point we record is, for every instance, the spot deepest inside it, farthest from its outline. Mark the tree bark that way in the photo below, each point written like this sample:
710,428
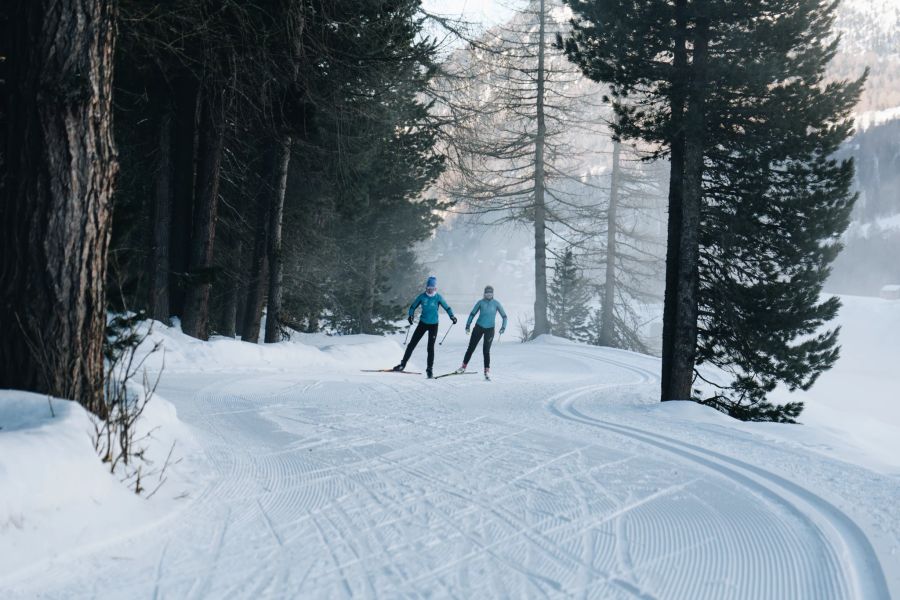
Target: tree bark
5,38
275,256
541,323
231,291
676,187
162,222
240,289
184,145
608,313
195,321
367,309
59,172
685,342
256,279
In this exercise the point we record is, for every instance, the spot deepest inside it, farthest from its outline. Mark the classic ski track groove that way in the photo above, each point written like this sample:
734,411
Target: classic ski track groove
846,541
307,501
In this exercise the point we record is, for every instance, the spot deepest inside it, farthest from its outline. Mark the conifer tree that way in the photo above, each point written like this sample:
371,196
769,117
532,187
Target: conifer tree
748,249
57,174
384,157
327,143
777,203
569,296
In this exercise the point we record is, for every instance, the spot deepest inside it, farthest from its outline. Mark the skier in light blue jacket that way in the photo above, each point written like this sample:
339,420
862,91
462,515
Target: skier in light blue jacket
430,301
486,309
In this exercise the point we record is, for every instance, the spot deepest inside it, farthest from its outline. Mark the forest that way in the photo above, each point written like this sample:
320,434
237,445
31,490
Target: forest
252,169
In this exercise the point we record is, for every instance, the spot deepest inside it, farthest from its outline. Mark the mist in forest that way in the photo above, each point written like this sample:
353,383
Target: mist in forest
466,254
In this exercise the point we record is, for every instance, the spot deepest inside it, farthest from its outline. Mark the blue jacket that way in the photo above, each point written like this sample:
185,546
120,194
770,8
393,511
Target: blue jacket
488,310
429,306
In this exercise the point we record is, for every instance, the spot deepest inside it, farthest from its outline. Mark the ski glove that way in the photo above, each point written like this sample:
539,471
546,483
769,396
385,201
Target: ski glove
502,329
454,319
410,319
468,331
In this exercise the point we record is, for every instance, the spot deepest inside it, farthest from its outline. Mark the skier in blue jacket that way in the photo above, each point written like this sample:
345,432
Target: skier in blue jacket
429,300
486,309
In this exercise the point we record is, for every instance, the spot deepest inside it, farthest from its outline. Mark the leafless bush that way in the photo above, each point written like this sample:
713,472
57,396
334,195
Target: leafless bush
127,390
526,329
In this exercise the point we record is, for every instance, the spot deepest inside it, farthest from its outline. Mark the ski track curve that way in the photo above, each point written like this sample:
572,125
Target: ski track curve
847,542
360,486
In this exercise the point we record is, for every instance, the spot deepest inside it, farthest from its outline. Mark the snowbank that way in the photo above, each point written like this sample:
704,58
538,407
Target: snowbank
181,353
57,498
55,494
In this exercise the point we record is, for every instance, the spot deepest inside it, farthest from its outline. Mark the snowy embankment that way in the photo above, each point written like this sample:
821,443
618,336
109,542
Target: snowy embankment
563,477
58,500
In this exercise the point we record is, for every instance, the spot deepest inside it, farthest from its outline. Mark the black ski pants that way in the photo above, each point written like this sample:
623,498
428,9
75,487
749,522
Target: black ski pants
477,334
421,328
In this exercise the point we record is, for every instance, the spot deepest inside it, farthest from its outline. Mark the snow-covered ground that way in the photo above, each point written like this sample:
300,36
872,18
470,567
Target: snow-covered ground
305,477
858,401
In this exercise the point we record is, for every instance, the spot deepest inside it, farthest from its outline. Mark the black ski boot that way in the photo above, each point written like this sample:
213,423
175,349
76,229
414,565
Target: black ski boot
399,367
429,374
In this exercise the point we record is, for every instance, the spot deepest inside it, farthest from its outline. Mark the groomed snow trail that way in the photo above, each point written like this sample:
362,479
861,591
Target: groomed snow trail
374,485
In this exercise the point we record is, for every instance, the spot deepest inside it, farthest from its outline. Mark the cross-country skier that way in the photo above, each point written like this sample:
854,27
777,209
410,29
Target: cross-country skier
487,309
429,300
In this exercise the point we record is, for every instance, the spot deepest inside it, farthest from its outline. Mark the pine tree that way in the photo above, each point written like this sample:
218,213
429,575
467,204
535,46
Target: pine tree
756,200
56,184
777,203
568,300
630,250
384,159
326,143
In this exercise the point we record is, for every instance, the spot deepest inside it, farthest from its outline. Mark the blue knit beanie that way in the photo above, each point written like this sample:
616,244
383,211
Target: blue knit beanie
431,282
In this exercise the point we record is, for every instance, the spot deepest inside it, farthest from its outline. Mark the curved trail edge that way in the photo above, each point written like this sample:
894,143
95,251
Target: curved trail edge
864,571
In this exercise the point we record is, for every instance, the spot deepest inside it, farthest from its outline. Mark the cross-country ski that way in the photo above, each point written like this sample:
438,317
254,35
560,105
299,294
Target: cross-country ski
451,373
391,371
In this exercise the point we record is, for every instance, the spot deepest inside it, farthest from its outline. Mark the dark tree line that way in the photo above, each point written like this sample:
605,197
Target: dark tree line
271,160
276,153
213,161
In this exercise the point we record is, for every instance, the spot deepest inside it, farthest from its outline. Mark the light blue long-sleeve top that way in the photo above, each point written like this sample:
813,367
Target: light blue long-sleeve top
487,313
429,306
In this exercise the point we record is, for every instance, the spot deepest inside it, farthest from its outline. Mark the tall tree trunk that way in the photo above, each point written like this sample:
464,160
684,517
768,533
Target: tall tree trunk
608,312
240,290
5,43
159,271
256,279
230,291
184,145
676,188
541,323
276,266
195,321
367,309
59,172
685,343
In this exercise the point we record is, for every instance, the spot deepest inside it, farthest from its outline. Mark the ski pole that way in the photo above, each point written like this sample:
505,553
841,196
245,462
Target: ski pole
445,335
408,327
